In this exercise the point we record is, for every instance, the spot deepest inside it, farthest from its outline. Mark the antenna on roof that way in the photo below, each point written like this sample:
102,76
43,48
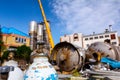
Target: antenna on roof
110,27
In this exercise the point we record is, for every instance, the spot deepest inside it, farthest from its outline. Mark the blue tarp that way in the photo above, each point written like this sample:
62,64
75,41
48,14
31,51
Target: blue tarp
111,62
11,30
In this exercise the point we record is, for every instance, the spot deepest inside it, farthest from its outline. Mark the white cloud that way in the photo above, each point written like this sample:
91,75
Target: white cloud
87,16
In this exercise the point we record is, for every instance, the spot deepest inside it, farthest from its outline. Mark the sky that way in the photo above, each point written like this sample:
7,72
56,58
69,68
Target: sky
65,16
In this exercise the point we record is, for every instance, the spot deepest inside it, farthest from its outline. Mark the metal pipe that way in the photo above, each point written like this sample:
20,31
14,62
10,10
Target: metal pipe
33,35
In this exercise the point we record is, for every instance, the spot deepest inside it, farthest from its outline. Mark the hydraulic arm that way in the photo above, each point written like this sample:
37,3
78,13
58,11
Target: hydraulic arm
50,39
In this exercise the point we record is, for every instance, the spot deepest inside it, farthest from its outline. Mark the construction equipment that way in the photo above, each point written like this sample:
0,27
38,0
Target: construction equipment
46,25
66,55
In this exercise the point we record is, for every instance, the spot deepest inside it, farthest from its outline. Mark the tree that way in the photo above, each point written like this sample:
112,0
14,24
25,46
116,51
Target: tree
23,52
1,43
5,56
2,47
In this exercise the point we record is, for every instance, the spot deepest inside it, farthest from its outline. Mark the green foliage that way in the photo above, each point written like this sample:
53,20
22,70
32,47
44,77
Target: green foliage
2,47
1,43
5,55
23,52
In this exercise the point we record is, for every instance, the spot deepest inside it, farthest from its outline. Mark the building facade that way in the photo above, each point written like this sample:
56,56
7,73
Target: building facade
13,38
76,39
84,41
112,36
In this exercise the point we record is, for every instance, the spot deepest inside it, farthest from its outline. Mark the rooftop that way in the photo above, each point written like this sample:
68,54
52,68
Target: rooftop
94,34
12,30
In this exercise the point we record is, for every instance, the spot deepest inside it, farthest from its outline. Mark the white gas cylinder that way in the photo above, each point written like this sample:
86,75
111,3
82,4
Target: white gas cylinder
17,74
41,69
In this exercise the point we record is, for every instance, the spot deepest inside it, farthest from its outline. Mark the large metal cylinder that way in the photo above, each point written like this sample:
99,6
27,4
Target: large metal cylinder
40,32
45,38
68,56
98,50
33,26
33,35
40,29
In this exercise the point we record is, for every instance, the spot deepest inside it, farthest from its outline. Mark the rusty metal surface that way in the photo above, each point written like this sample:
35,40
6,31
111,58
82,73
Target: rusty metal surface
67,56
100,49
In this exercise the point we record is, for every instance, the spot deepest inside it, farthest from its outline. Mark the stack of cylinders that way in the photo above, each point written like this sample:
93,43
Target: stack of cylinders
33,35
37,34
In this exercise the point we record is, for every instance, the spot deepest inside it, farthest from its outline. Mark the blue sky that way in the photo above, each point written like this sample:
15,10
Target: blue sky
19,13
66,16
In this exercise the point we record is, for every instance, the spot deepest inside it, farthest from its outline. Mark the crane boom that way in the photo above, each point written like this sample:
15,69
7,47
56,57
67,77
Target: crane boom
50,39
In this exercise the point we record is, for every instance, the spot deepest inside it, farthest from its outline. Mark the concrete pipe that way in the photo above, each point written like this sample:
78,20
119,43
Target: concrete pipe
67,56
98,50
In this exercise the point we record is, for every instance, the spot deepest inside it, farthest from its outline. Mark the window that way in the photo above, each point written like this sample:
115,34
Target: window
21,40
87,45
100,36
106,36
107,41
114,43
75,37
17,39
91,38
113,36
86,38
24,40
96,37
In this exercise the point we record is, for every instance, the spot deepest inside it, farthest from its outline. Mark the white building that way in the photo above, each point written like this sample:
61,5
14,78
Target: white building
76,39
85,40
101,37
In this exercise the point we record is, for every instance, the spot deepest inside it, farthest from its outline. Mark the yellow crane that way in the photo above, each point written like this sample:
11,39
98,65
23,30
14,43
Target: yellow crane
50,39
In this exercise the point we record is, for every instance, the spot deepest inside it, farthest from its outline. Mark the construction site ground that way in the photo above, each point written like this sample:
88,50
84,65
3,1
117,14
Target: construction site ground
93,75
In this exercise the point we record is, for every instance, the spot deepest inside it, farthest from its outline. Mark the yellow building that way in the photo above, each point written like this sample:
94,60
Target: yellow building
13,38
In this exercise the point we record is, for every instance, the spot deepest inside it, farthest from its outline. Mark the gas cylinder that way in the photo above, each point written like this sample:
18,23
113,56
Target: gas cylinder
98,50
17,73
41,69
68,56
